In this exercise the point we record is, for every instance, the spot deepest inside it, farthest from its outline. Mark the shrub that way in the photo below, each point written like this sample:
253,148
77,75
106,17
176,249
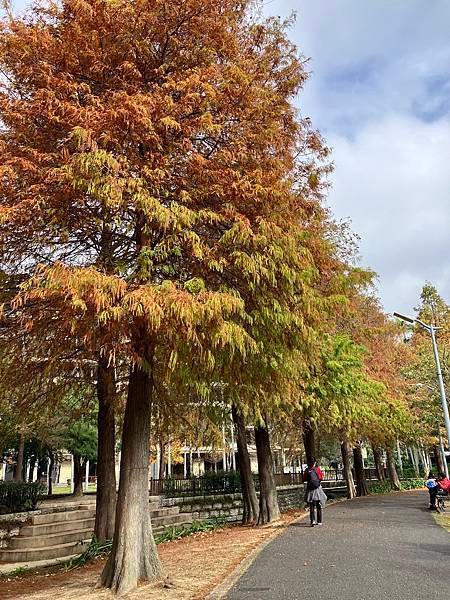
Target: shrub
17,497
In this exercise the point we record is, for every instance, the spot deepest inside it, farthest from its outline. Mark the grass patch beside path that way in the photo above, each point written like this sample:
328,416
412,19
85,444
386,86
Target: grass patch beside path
442,520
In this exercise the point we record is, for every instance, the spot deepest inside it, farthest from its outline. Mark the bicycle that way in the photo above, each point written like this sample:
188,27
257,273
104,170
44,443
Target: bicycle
440,502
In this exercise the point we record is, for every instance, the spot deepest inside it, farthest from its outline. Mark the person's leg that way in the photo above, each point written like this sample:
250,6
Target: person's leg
433,493
312,513
319,512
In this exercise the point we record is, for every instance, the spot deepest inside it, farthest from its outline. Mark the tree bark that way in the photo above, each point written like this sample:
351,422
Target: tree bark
105,515
269,510
348,475
18,473
438,459
309,441
378,464
393,476
134,556
361,483
250,499
78,473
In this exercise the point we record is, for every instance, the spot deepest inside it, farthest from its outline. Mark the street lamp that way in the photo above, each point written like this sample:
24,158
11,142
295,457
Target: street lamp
431,329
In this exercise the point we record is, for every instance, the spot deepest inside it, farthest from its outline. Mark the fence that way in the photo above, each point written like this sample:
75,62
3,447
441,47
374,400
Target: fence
229,483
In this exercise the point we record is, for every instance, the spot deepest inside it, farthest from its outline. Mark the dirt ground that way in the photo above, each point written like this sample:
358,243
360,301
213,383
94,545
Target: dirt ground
194,565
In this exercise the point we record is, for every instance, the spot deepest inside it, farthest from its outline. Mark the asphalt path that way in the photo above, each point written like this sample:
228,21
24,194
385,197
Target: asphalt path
375,548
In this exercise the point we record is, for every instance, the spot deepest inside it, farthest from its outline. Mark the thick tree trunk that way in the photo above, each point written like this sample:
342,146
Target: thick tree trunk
18,473
309,441
162,460
348,475
133,556
378,464
78,472
105,515
31,468
247,483
393,476
361,483
438,459
268,501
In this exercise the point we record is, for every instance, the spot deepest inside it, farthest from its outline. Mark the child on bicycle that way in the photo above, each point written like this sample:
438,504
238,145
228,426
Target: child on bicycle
442,487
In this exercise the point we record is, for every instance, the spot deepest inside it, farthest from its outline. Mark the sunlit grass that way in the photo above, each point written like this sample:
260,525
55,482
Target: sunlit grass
443,520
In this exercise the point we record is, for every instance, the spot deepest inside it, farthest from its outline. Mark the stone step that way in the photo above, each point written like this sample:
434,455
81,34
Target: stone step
59,527
170,520
162,512
46,541
32,554
161,528
57,517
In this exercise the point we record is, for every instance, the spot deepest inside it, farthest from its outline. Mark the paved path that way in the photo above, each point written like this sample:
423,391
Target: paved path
380,547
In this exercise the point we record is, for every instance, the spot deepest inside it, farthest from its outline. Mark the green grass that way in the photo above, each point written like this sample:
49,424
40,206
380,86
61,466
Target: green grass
19,572
65,489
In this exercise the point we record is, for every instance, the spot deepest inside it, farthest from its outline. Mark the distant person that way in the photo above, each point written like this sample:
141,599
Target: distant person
314,495
431,484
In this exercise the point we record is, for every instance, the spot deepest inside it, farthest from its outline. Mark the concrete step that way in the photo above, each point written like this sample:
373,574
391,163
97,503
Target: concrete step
48,528
170,520
58,517
46,541
33,554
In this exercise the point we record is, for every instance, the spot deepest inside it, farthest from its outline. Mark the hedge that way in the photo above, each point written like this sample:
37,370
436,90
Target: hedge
18,497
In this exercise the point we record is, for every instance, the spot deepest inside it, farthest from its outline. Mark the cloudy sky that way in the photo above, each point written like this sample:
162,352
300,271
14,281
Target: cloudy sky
380,93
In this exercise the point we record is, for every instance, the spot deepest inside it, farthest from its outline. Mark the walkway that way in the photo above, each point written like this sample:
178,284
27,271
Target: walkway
380,547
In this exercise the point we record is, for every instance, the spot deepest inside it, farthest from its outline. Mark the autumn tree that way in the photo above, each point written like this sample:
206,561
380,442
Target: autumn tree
165,132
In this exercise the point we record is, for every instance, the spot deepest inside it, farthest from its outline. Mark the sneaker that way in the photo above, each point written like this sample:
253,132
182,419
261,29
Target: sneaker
319,523
312,524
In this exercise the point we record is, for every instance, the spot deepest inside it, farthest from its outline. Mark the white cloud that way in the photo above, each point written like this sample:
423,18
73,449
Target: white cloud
380,92
393,181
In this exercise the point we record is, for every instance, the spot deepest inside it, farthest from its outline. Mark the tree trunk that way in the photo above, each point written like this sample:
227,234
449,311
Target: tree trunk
51,467
78,473
105,515
361,483
31,468
378,464
268,502
134,556
393,477
162,460
18,473
348,475
414,461
438,459
247,483
309,441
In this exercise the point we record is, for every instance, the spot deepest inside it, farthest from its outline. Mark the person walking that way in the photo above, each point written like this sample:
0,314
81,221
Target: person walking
315,497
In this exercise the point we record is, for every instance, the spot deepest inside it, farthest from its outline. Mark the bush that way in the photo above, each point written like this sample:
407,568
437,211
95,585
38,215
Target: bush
17,497
383,487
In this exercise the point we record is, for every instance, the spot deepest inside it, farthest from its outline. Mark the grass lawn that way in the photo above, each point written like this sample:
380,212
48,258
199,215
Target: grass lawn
443,520
65,489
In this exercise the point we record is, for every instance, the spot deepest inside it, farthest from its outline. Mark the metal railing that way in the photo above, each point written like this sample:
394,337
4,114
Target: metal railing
230,483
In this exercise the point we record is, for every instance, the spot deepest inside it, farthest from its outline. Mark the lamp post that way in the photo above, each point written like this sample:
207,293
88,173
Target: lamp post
431,329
